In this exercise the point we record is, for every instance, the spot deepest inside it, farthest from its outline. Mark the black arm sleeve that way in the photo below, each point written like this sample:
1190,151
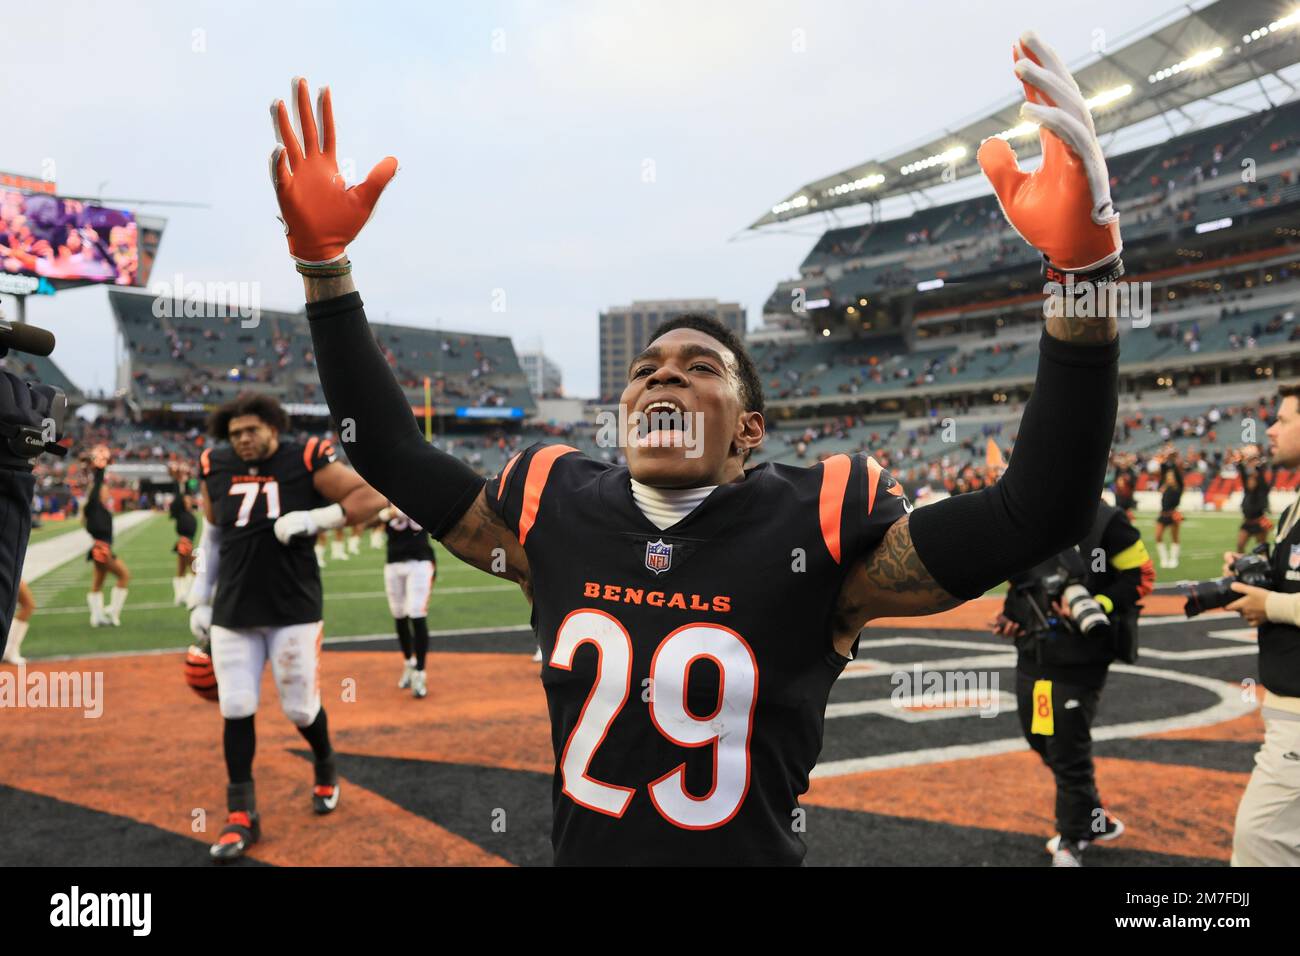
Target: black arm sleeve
1047,500
386,449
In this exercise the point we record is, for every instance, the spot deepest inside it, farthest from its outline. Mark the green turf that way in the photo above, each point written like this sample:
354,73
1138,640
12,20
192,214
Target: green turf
354,598
52,529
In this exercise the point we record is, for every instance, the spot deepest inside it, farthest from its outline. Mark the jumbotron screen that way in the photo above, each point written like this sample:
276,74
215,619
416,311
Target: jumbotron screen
67,240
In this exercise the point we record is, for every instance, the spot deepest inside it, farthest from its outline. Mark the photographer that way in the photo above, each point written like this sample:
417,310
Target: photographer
28,413
1070,617
1267,831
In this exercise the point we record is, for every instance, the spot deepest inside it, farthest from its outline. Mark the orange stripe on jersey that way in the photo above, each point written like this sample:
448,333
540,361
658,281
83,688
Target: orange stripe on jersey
539,469
505,475
873,479
835,479
307,452
205,460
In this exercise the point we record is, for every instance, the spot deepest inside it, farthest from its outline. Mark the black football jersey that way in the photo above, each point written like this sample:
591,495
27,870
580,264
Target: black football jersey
261,582
407,541
687,670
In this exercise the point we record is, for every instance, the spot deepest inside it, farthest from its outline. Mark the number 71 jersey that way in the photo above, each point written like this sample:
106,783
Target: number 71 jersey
687,670
261,582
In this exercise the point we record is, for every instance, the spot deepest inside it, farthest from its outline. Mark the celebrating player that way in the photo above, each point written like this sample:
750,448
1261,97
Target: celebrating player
99,525
693,614
264,500
408,579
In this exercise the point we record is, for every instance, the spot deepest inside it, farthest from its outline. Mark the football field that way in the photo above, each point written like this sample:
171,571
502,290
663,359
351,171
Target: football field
464,776
463,597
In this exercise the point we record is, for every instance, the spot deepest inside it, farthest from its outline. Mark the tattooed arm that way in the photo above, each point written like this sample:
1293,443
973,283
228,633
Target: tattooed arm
889,582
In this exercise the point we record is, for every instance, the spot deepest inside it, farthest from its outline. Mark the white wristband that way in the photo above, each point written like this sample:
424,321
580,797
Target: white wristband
328,518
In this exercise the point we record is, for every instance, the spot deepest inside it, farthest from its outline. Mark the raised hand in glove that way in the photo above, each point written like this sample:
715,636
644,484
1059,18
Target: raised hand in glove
1063,209
321,215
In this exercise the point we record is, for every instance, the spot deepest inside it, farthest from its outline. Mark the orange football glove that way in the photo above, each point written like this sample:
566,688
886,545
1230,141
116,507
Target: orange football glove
1063,209
321,215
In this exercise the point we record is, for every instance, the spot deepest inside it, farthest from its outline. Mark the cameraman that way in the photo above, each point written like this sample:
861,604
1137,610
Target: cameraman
1060,670
1268,820
28,414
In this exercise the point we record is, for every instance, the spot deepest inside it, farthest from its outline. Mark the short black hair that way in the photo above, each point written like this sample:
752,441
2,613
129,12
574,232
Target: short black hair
265,407
1288,391
751,387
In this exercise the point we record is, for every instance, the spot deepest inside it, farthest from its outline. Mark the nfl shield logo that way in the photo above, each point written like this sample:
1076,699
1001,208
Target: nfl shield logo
1294,560
658,556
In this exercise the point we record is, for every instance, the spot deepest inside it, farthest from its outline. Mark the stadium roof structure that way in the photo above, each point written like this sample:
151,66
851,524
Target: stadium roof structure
1185,56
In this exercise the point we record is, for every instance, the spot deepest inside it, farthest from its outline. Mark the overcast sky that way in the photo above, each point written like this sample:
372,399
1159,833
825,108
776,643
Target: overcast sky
576,155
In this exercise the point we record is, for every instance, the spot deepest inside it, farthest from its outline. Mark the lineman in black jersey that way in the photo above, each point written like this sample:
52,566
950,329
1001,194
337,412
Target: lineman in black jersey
264,499
99,525
1171,493
408,580
181,511
1256,482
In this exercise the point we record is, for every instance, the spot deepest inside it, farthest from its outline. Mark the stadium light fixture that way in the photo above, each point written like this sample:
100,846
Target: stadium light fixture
798,202
1104,98
1290,20
866,182
947,156
1213,225
1199,58
929,285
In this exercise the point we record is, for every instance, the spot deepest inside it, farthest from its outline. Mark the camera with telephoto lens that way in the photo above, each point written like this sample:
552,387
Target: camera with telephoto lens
1086,615
1252,569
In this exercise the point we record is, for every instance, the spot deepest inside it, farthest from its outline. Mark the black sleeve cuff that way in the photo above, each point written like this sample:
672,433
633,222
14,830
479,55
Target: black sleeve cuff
348,302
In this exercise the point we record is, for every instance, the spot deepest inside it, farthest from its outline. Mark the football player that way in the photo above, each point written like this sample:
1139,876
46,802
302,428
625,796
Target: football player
693,613
408,580
264,500
99,525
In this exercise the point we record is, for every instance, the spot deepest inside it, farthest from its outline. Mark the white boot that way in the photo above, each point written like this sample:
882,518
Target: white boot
17,631
1173,553
180,590
376,539
95,599
1164,553
115,602
354,544
337,553
320,555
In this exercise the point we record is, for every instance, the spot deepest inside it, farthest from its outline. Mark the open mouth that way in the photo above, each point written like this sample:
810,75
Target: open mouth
661,423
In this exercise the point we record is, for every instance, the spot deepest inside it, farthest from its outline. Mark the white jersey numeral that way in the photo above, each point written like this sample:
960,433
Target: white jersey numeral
728,729
250,490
